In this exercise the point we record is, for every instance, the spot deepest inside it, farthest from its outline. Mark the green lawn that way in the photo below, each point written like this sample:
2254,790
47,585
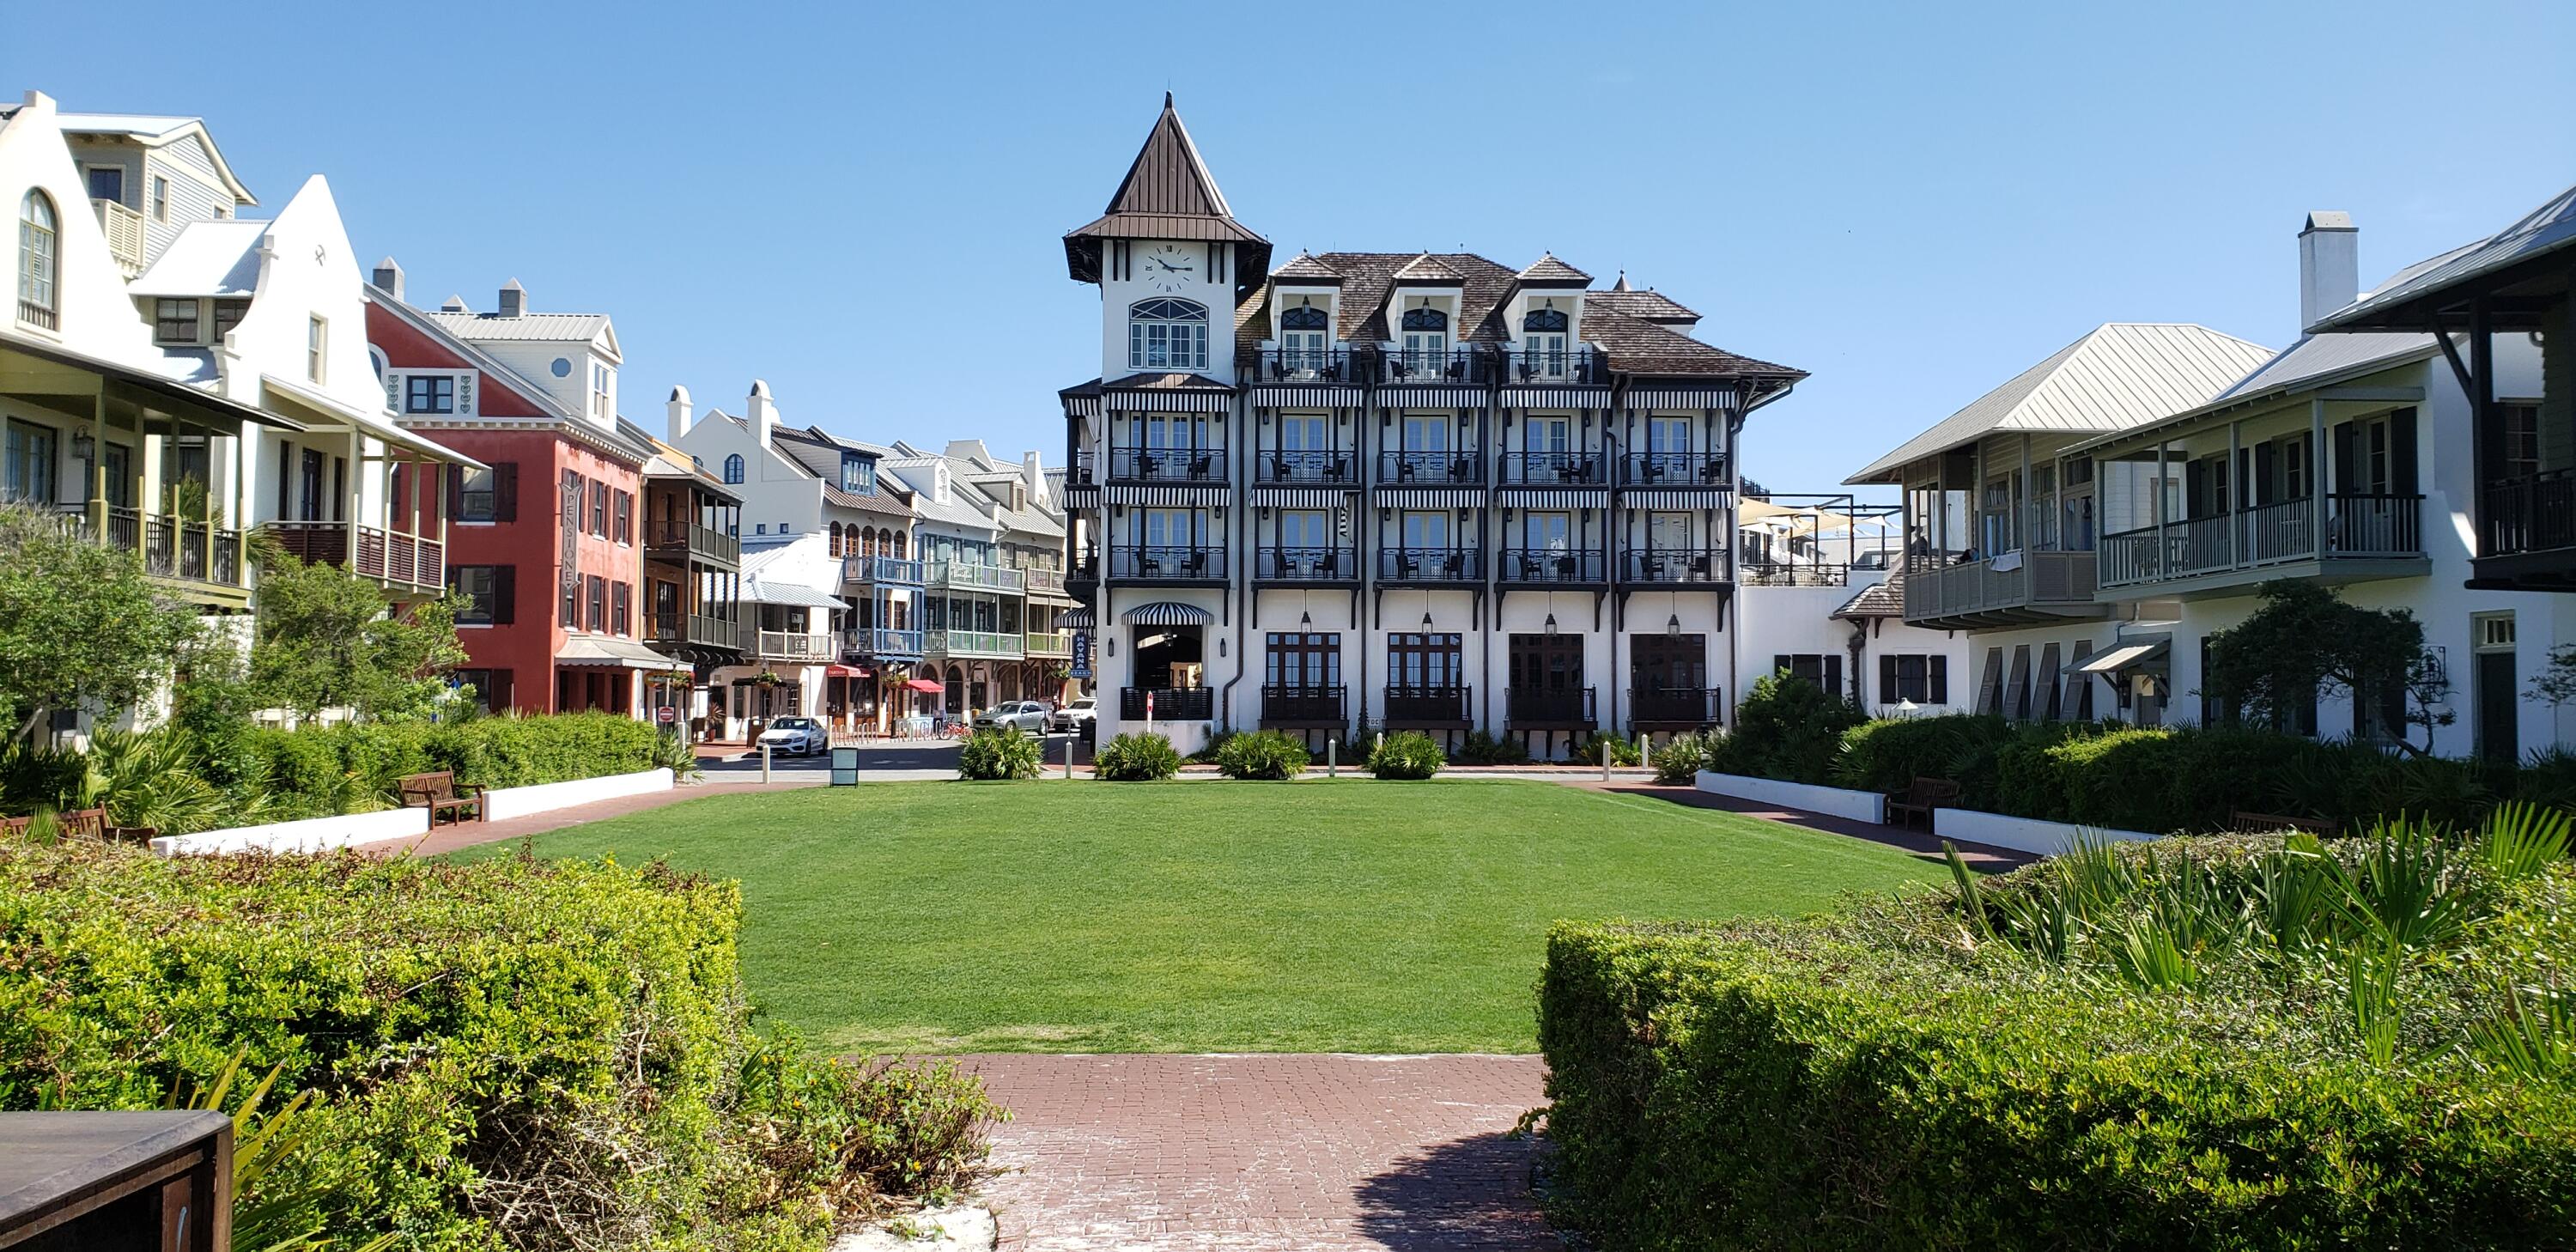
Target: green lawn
1203,916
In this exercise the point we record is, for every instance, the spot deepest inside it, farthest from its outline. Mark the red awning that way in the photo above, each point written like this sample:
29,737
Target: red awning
924,684
844,671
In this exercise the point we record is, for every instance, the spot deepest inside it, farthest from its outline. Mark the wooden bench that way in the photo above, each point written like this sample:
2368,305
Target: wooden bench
443,796
82,824
2243,823
1921,797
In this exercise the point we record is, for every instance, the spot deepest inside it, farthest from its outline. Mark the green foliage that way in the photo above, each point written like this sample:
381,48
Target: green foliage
328,638
1890,754
80,624
1406,754
281,1200
2215,1043
1622,750
2305,642
1789,729
508,1053
1683,756
1136,757
999,752
1480,748
1265,755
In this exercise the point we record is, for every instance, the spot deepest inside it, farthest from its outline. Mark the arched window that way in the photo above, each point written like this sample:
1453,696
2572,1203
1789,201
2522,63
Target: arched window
836,539
1543,344
898,545
1305,341
1305,317
1167,335
39,262
733,468
1425,353
1544,319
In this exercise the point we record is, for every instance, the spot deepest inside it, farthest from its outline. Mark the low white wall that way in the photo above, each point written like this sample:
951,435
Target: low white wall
2022,834
312,834
1858,806
509,802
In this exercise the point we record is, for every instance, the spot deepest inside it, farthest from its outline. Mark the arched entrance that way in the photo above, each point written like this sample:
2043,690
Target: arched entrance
956,690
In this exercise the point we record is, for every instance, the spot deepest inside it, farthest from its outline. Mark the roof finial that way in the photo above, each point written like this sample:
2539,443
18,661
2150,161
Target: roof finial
1167,98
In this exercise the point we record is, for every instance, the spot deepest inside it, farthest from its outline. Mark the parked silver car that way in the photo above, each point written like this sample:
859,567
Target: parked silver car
1029,717
1077,716
796,736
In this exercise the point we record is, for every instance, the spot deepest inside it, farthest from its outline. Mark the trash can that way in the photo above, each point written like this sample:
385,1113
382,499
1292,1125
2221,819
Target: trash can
845,766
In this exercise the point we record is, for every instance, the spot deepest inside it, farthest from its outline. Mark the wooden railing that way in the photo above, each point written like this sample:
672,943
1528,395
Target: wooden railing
124,229
698,629
2044,577
398,557
2534,513
794,645
1050,643
2366,525
961,575
670,539
880,569
1048,581
972,643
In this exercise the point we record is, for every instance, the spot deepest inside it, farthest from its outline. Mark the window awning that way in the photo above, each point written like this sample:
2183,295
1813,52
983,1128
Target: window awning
924,684
793,595
602,653
1075,619
1167,613
845,671
2128,656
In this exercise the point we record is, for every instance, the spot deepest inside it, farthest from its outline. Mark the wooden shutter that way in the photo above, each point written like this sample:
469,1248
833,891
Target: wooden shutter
1887,692
1990,685
2401,452
1936,671
505,491
2347,460
455,494
505,594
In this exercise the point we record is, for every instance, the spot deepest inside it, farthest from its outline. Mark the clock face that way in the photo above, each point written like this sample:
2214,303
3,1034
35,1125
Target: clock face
1168,267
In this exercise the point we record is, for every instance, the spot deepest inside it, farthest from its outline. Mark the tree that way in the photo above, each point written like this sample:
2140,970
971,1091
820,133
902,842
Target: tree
2305,642
81,626
328,639
2556,683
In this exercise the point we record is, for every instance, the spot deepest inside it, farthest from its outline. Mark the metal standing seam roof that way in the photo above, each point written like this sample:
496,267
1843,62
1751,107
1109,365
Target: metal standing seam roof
2549,228
2312,362
526,327
2119,375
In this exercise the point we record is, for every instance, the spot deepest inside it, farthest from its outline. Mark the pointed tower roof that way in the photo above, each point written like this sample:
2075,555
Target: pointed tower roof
1547,271
1622,284
1305,269
1429,270
1167,194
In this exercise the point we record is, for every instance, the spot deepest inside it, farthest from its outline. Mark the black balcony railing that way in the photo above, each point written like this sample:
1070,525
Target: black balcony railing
1673,706
1305,365
1302,706
1175,704
1550,565
1306,564
1576,364
1433,705
1275,465
1765,572
1554,469
1430,469
2533,513
1676,566
1167,564
1673,469
1083,570
1446,365
1084,470
1167,465
1548,706
1431,565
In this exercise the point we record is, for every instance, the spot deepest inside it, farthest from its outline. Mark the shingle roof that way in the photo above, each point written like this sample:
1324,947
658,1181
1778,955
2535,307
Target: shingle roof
1306,269
1883,599
1636,346
2119,375
1649,305
1167,194
2547,229
1547,269
1368,277
1427,268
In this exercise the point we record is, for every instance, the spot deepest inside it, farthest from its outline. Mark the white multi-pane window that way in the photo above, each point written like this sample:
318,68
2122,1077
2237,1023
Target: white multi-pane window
599,389
1544,335
1548,532
1167,335
39,266
1305,341
1426,342
317,345
1668,532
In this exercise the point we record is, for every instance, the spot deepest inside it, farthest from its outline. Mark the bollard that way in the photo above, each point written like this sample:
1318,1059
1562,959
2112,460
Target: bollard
1605,760
1068,758
764,762
1645,752
1332,754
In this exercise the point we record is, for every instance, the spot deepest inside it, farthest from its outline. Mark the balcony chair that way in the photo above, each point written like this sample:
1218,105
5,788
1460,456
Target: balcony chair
1455,566
1280,468
1404,471
1712,471
1145,466
1195,566
1200,466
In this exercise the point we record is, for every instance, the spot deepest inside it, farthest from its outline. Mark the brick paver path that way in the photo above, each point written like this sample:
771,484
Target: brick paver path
467,834
1270,1152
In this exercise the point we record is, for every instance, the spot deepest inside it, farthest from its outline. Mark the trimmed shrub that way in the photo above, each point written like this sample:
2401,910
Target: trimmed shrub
1623,751
1789,729
1136,757
1681,759
999,752
506,1053
1264,755
1406,754
1888,755
1480,748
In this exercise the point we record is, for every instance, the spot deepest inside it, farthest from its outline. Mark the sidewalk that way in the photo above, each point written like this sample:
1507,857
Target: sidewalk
468,834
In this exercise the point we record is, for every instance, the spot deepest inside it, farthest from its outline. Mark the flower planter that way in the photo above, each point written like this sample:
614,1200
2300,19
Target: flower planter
1858,806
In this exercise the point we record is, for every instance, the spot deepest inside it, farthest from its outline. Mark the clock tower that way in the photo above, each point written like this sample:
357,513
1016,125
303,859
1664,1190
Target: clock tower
1171,262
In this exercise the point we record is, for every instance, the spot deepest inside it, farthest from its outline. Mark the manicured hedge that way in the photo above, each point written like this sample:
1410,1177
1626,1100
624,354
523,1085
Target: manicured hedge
320,770
513,1053
1883,1078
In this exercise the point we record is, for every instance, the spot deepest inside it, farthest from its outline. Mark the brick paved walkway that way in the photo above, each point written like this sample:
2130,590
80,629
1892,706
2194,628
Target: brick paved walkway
1157,1153
467,834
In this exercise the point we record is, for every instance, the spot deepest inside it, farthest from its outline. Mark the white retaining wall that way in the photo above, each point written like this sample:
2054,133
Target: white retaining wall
2023,834
312,834
509,802
1858,806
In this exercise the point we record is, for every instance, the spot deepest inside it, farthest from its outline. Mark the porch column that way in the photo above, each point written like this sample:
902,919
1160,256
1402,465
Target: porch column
2022,528
2156,501
2240,494
2317,477
98,464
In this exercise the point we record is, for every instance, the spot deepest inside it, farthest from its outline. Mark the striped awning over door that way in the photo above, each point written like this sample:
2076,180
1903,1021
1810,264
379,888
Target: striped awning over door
1170,401
1082,406
1167,613
1431,497
1317,395
1554,497
1556,397
1675,497
1076,619
1681,397
1433,397
1303,497
1207,496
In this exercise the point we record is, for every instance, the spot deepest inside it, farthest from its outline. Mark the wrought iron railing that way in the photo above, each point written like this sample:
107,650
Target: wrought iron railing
1430,469
1673,469
1673,706
1167,465
1447,565
1174,704
1149,564
1275,465
1467,366
1548,706
1429,705
1553,469
1767,572
1307,705
1550,565
1306,564
1679,566
1305,365
1575,364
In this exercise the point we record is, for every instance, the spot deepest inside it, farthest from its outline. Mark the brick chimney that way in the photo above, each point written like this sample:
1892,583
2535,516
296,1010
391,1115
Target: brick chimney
2329,265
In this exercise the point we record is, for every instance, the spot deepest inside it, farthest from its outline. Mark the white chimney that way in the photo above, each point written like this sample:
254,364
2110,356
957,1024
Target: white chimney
1033,476
2329,265
678,408
514,299
388,277
761,413
969,450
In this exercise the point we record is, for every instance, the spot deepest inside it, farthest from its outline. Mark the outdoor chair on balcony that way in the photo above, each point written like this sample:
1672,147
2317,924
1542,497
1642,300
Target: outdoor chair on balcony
1464,470
1148,566
1329,565
1200,467
1279,468
1699,566
1145,466
1565,567
1712,471
1455,566
1529,569
1407,565
1195,566
1404,471
1654,471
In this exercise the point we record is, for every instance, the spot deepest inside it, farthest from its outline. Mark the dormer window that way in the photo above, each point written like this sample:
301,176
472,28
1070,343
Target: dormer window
1543,343
429,393
1167,335
733,469
1425,350
1305,340
599,377
858,475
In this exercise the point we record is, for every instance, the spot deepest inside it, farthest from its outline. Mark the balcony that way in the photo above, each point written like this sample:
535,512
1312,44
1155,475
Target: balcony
1167,565
1305,365
1417,707
1673,469
675,542
1303,706
1167,465
1430,469
1082,576
1549,708
1310,466
1305,565
124,229
1551,566
1672,708
1454,366
1431,565
994,645
1084,471
891,571
1766,572
2527,531
1578,364
884,641
2365,535
2034,587
1674,567
202,563
1050,644
1176,704
692,630
960,576
794,645
406,563
1045,582
1554,469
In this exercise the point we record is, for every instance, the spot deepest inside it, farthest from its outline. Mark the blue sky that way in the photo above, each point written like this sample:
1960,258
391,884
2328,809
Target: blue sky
863,204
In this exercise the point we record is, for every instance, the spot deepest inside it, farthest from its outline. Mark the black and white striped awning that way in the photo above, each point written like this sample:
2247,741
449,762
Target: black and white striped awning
1431,497
1555,398
1676,497
1554,497
1319,395
1167,613
1189,496
1076,619
1681,397
1303,497
1170,401
1082,406
1082,495
1433,397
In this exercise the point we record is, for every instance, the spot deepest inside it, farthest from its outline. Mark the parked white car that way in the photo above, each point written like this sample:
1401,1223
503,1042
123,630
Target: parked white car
1076,716
1029,717
796,736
